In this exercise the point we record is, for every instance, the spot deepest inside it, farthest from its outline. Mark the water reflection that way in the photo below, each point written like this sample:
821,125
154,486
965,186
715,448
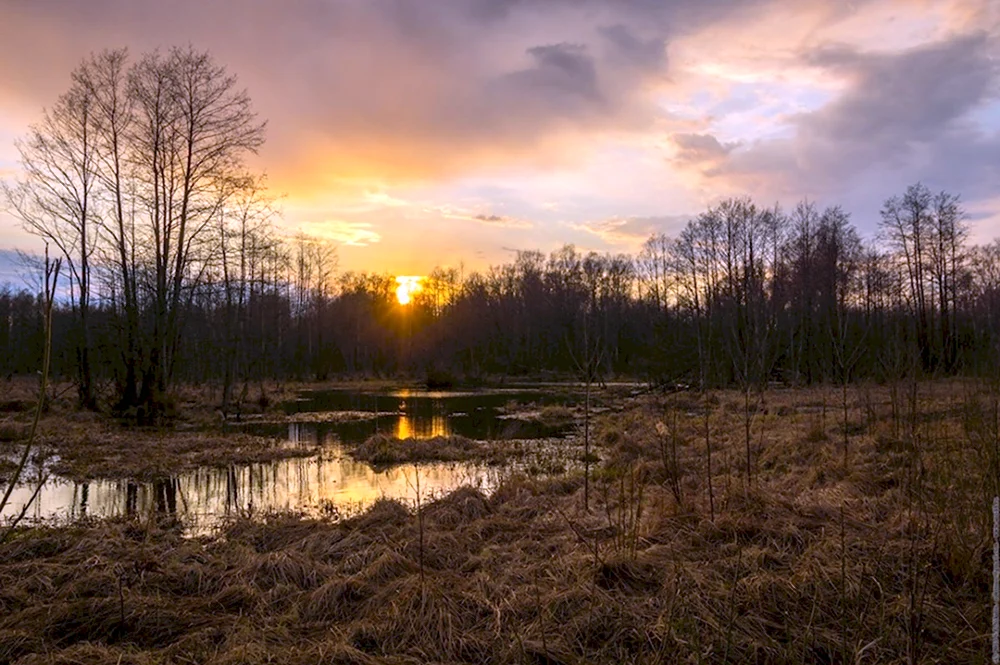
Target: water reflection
331,483
409,427
408,414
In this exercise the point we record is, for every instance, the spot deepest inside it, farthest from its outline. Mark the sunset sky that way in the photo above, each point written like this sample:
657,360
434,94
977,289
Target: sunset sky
417,133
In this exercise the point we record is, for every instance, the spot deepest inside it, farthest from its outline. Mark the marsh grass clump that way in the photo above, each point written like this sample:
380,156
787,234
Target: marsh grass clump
816,432
556,415
11,430
464,505
7,468
384,450
87,447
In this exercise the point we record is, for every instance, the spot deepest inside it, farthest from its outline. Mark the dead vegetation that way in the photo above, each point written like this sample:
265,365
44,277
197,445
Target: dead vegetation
534,457
7,468
83,445
881,556
383,450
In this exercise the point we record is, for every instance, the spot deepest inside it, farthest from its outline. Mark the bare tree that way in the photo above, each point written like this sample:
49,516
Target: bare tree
241,224
105,77
905,222
55,200
192,130
588,361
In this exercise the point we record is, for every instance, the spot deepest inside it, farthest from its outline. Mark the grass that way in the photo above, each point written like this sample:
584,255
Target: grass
84,446
382,450
535,457
882,559
87,445
522,420
7,467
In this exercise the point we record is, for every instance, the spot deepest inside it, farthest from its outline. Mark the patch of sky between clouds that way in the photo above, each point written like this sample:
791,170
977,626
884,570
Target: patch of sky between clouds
11,270
692,110
983,218
986,117
767,111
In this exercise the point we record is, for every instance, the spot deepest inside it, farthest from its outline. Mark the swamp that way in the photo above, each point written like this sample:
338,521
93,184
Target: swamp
861,532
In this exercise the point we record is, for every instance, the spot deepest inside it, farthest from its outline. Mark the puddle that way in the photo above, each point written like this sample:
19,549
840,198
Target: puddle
330,483
355,416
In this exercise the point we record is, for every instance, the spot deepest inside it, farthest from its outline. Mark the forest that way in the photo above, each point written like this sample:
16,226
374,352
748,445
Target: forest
744,295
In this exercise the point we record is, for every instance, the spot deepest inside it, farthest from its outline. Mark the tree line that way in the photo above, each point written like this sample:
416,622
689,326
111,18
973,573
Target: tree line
177,272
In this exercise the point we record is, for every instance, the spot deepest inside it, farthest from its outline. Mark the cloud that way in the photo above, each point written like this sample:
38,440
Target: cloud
904,115
384,91
354,234
561,80
500,220
549,100
900,98
632,231
382,199
701,150
471,214
632,52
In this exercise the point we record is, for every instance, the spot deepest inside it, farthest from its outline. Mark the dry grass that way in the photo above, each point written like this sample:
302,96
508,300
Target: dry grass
7,467
86,445
383,450
90,445
533,456
879,556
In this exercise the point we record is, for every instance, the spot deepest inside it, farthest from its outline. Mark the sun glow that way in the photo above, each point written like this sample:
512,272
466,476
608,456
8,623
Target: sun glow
408,286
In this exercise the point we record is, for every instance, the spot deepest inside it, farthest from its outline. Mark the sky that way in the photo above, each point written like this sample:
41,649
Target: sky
423,133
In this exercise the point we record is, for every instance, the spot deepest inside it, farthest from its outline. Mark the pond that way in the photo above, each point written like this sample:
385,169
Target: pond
328,483
321,417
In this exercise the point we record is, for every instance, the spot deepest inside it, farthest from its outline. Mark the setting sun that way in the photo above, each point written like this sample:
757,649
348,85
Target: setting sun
408,285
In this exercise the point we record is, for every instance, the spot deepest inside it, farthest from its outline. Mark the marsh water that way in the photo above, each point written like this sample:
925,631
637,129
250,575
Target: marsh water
330,416
328,482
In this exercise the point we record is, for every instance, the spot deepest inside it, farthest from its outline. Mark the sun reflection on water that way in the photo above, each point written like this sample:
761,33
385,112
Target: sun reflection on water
408,427
206,496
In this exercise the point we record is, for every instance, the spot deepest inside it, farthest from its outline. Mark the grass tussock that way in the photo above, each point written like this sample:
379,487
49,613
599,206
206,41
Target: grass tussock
7,468
384,450
545,456
873,551
11,430
553,420
555,416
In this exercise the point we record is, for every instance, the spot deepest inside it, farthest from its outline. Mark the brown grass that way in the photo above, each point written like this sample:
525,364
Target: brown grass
90,446
547,456
7,467
881,559
384,450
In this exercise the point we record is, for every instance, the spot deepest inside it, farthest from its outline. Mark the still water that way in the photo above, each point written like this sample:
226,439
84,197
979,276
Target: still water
351,417
328,483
